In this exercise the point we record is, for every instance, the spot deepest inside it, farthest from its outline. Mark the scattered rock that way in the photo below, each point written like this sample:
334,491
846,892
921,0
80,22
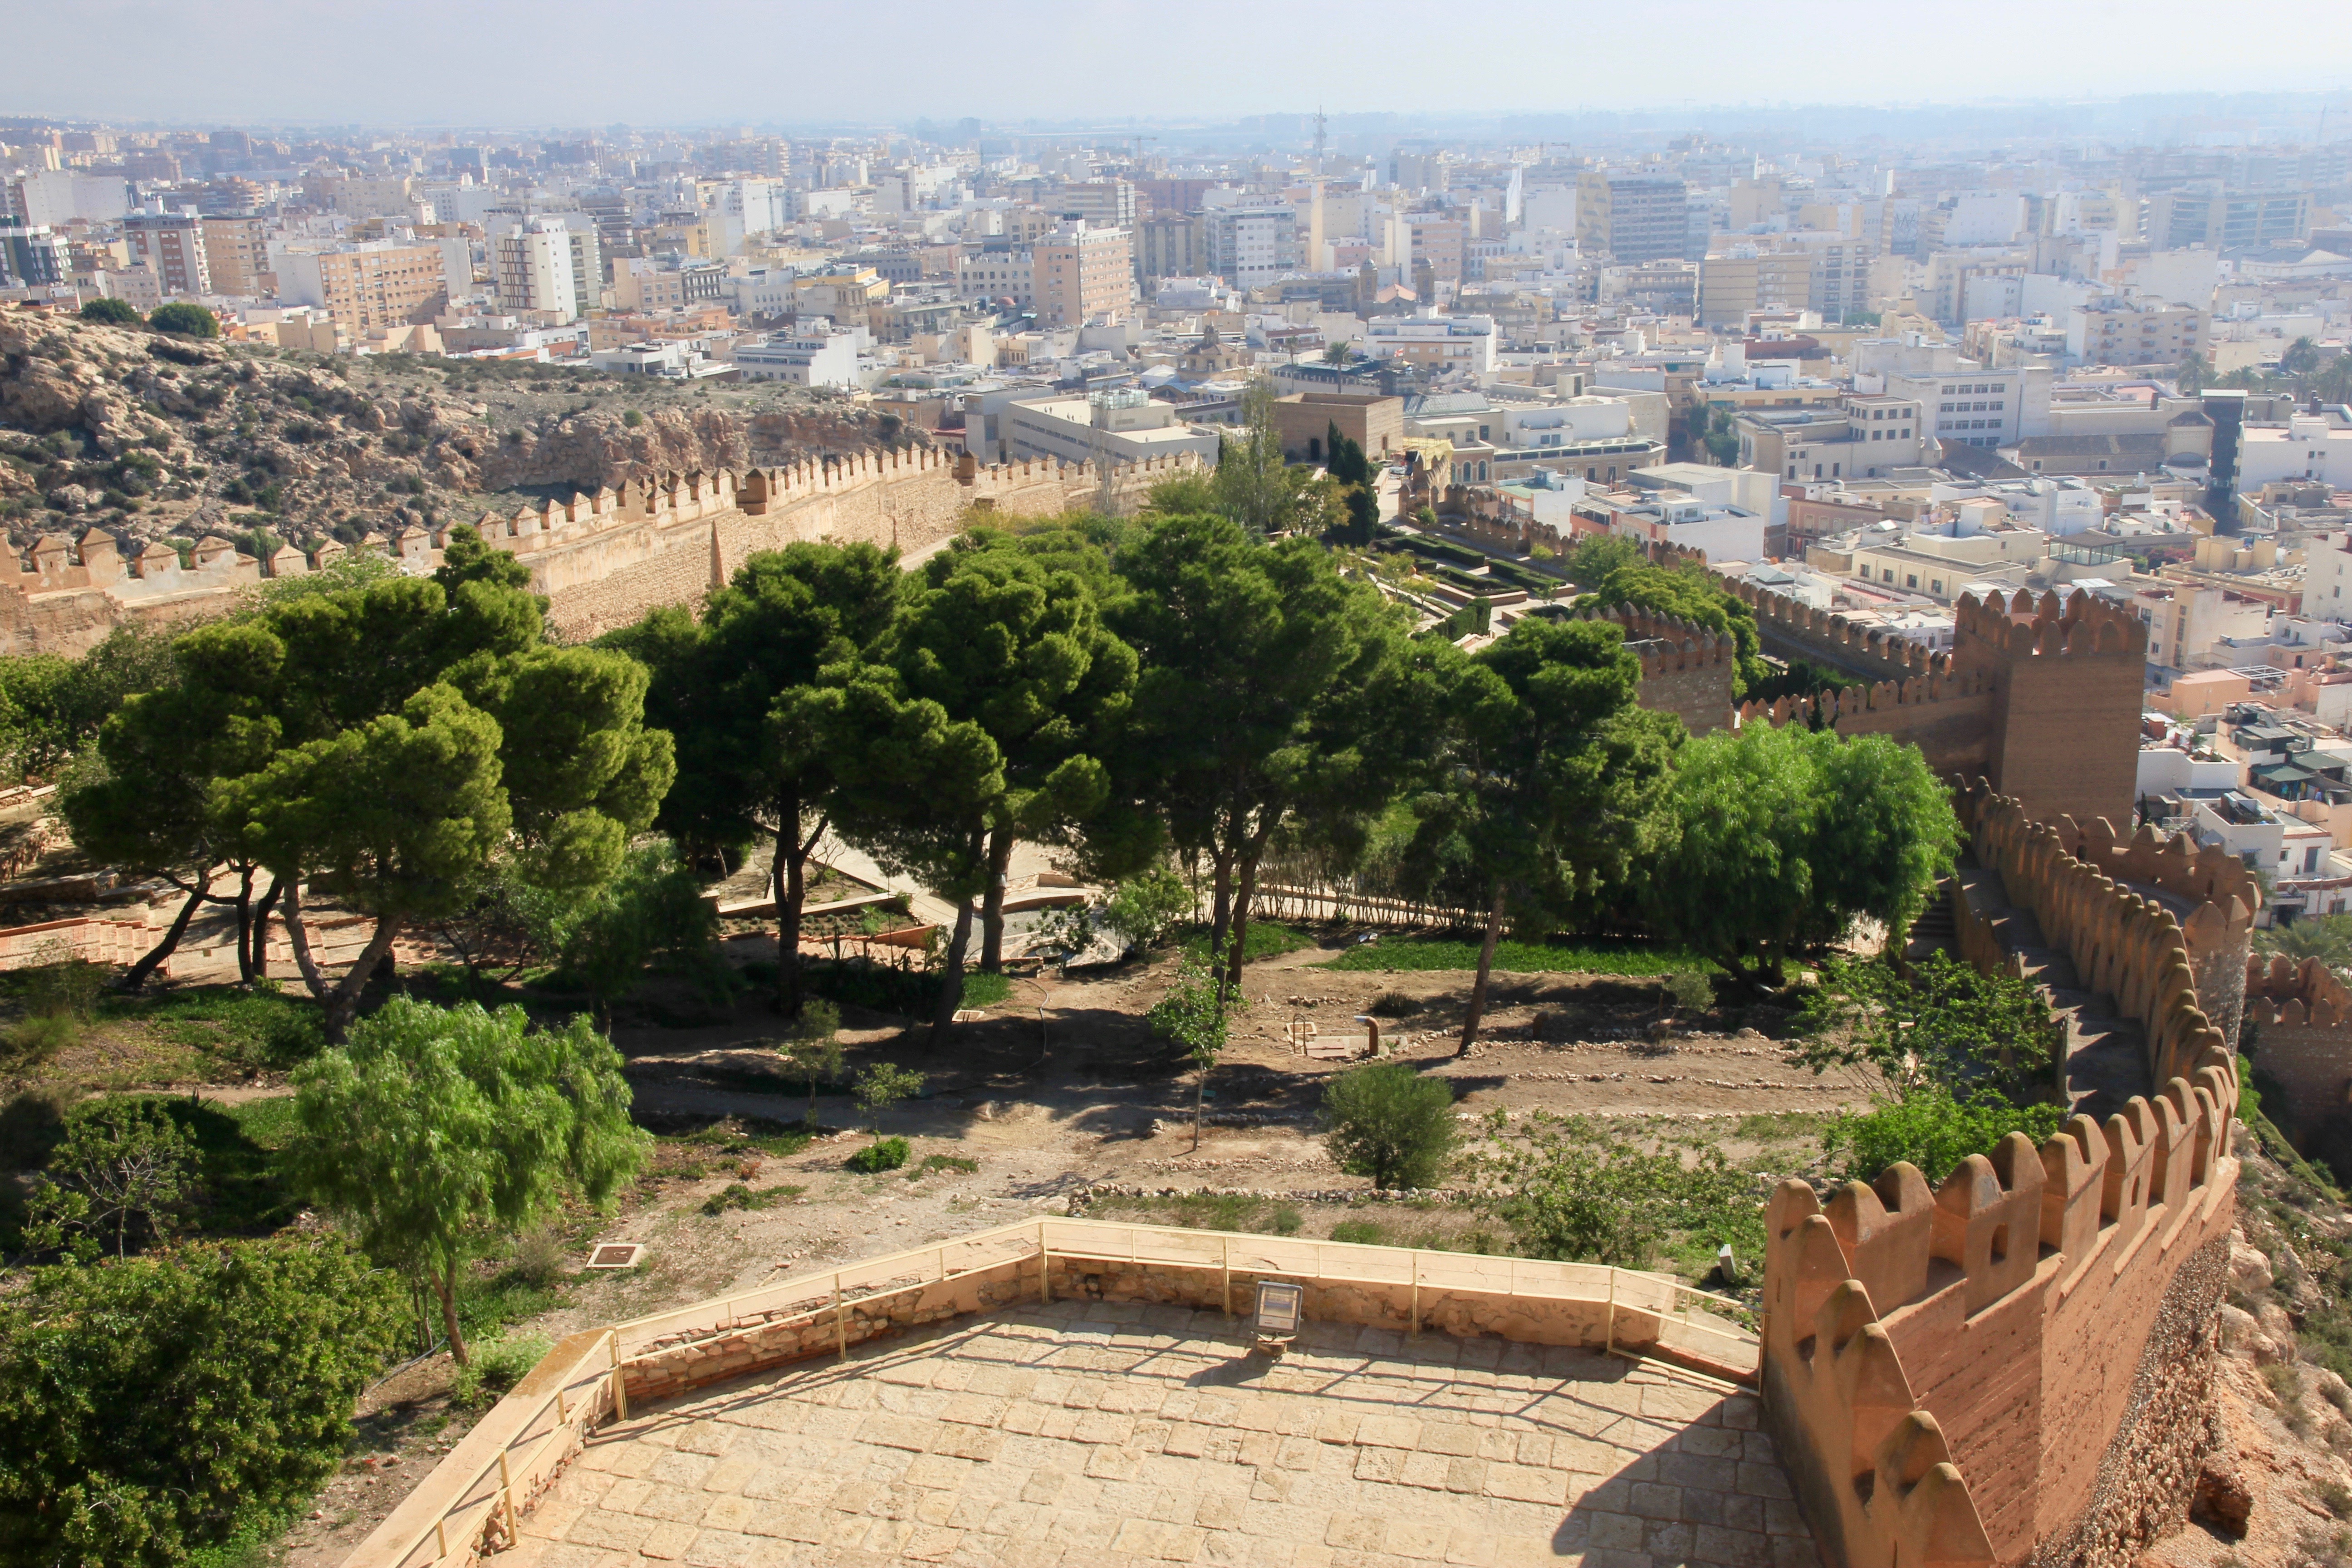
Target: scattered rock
2222,1499
2250,1271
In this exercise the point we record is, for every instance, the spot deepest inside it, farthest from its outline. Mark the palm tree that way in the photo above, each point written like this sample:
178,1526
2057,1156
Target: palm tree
2302,357
2196,373
1338,354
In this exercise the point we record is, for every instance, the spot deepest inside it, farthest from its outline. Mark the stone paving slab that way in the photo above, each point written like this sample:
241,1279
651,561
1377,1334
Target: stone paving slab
1083,1434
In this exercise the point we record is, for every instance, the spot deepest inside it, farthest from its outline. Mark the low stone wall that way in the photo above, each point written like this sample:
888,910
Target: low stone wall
818,1325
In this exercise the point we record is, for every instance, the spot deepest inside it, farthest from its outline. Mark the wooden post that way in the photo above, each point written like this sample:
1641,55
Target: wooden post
1611,1345
1044,1266
620,1382
561,1415
506,1499
1226,1253
440,1539
1415,1319
840,1319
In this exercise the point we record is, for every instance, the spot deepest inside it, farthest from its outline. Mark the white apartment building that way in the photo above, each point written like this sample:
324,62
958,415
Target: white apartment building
804,358
541,264
1441,342
2300,449
1126,426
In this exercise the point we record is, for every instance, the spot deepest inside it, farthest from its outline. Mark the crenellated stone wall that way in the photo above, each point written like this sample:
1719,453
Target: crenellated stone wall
2009,1369
601,559
2301,1018
2041,696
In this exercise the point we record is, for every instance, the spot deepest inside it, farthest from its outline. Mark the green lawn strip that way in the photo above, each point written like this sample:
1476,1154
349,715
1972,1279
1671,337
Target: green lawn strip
1596,957
1266,938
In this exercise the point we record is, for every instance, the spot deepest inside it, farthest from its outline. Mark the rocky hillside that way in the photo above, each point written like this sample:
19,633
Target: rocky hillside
2276,1487
153,438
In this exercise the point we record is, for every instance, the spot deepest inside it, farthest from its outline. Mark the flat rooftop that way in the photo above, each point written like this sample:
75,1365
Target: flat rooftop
1096,1432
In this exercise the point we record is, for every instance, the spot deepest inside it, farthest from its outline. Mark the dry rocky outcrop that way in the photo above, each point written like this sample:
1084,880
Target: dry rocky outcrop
149,436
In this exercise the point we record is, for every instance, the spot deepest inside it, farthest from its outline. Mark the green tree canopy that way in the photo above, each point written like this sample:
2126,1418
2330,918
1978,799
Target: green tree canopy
152,1407
112,312
1691,592
392,740
1786,836
185,320
435,1130
734,688
1268,700
1549,783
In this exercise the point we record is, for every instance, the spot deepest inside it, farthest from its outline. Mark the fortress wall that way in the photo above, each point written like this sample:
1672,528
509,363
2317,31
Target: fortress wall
602,561
2041,697
1977,1417
2302,1019
2040,1322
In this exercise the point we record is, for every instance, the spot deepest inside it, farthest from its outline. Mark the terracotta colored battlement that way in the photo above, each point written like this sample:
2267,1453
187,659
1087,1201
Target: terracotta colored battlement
1686,670
2299,1033
2123,943
2021,1357
601,560
2042,695
1946,1371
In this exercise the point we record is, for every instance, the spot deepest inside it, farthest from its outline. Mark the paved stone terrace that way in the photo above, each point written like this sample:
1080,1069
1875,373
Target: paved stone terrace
1095,1434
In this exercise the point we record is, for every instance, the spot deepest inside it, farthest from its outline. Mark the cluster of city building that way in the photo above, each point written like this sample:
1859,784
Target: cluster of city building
1871,383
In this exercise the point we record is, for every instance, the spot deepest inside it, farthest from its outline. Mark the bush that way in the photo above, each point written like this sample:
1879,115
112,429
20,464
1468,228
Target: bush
1143,909
119,1179
960,1164
1359,1231
882,1155
1388,1123
1582,1195
497,1365
1689,991
112,312
1393,1004
632,418
182,319
1933,1130
151,1407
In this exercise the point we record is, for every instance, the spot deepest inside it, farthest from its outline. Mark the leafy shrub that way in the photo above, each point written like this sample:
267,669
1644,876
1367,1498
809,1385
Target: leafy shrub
1933,1130
957,1163
498,1364
1580,1193
154,1406
112,312
1688,991
632,418
1361,1231
1144,909
1387,1122
36,1040
880,1086
1393,1004
736,1196
184,320
538,1257
882,1155
119,1179
62,985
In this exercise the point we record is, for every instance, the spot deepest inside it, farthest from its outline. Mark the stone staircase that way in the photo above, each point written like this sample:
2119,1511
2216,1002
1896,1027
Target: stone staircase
2107,1056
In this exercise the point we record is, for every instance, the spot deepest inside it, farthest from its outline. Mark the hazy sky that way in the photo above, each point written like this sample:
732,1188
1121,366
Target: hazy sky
528,63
